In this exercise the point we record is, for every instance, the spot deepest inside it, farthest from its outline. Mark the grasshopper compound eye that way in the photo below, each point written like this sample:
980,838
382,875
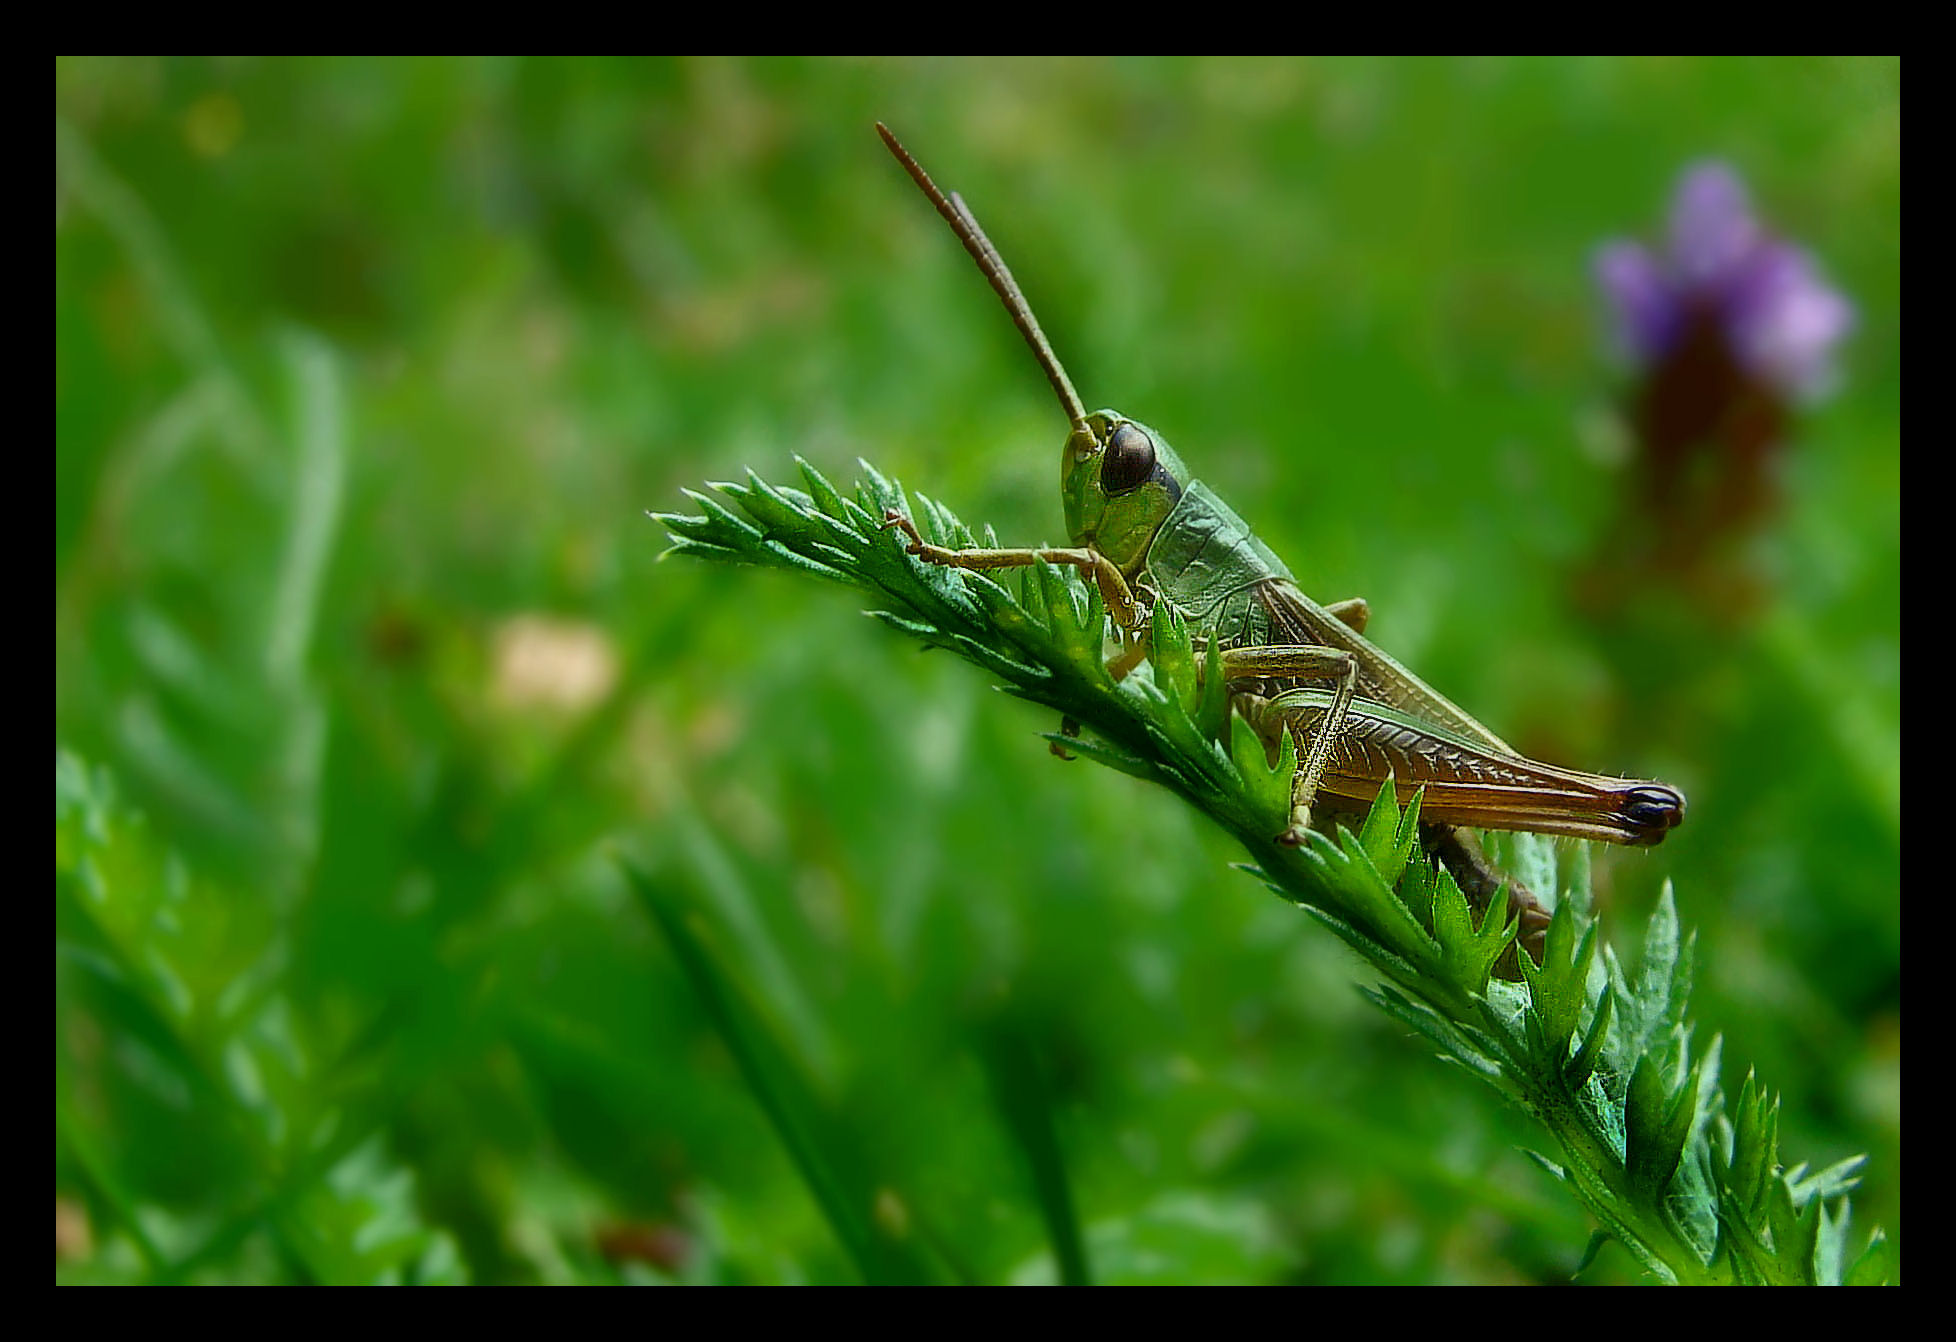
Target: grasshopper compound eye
1130,460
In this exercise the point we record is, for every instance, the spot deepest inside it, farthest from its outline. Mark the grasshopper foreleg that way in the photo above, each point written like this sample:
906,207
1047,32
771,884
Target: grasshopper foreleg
1301,661
1115,594
1120,600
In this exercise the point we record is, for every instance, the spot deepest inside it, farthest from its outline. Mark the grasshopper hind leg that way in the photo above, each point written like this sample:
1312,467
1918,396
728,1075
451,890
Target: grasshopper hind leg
1303,792
1452,847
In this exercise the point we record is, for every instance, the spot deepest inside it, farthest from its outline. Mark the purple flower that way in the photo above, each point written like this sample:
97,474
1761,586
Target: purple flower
1723,274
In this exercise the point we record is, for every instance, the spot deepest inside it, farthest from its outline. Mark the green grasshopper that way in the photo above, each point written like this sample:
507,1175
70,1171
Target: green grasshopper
1148,534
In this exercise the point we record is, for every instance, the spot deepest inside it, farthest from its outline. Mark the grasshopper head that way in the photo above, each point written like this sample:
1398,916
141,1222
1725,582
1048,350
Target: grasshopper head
1119,480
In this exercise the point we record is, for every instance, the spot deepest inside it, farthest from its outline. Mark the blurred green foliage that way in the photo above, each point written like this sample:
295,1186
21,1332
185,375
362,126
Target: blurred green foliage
366,677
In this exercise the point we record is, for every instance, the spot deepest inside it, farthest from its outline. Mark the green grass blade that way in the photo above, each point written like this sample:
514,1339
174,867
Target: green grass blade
832,1174
1024,1100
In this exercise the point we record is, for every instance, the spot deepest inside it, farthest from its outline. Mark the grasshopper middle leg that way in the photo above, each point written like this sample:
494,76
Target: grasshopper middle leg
1301,661
1122,605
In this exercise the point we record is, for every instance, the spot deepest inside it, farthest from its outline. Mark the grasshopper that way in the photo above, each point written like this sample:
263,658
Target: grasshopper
1148,534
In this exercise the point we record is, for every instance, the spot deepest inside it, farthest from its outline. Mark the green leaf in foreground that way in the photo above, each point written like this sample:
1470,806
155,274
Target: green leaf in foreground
159,953
1602,1061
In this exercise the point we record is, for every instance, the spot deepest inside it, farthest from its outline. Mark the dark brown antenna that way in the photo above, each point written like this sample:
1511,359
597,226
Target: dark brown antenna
965,225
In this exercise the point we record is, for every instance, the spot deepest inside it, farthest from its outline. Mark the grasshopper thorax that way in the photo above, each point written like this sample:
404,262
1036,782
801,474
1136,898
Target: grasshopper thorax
1119,481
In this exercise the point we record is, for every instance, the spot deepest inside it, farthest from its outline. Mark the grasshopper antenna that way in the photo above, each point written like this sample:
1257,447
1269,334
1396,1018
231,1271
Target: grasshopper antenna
958,215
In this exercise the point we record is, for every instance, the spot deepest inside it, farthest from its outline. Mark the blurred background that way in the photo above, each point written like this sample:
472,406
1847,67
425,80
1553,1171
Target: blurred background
368,680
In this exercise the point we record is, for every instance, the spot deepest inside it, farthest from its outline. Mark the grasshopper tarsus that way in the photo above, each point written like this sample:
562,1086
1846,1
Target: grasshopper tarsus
893,518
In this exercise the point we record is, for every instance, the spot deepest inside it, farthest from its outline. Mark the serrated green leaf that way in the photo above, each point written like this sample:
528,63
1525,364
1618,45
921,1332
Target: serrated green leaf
915,628
758,500
1554,1171
1837,1179
835,570
998,662
878,495
1435,1029
1597,1240
1382,836
1877,1265
1101,752
1583,1065
1652,1152
820,491
724,519
1173,659
1468,950
1830,1246
1651,1156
